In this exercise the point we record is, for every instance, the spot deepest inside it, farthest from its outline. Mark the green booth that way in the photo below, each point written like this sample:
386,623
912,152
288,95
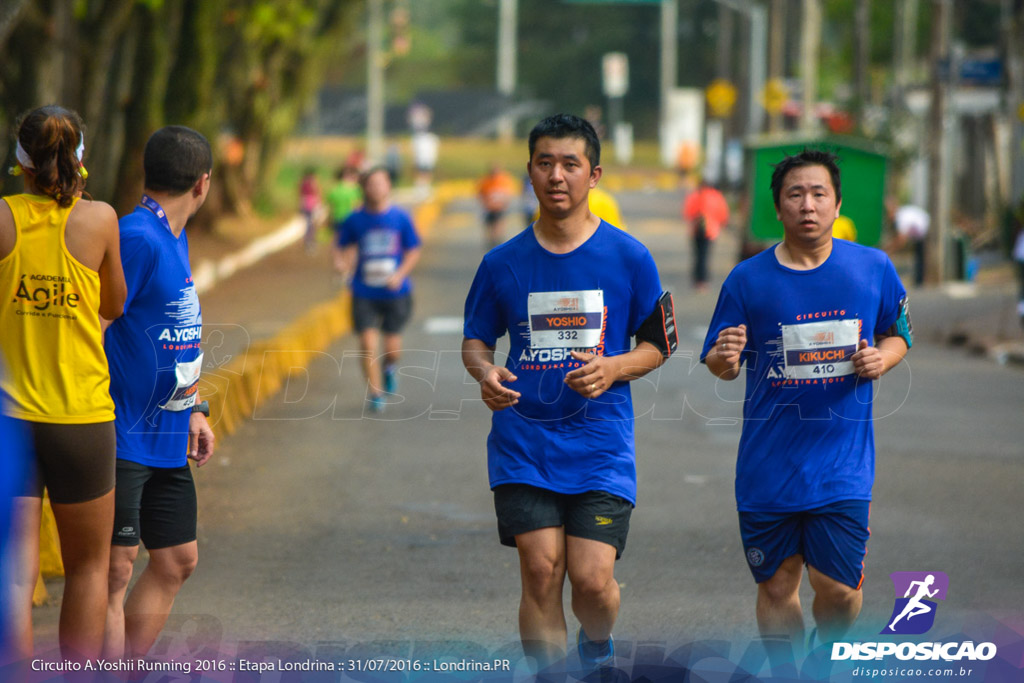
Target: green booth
862,165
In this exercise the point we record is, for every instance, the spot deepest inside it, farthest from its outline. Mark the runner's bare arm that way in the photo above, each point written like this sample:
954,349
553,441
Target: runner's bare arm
409,260
871,362
345,259
723,360
600,372
479,361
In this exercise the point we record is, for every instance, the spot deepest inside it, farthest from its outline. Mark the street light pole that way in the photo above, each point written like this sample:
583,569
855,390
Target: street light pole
809,47
374,81
939,152
507,21
669,75
756,69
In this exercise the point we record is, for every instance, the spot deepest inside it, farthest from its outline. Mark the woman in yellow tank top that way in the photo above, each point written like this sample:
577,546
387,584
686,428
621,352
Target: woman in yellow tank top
60,269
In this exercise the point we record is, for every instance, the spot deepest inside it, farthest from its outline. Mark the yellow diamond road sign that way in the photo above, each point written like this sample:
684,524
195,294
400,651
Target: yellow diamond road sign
721,95
774,96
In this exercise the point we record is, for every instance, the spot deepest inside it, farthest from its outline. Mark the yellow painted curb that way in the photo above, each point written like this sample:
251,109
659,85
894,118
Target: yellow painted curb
234,391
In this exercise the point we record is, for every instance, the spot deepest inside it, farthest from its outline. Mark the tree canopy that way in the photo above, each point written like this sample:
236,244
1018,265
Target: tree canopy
239,71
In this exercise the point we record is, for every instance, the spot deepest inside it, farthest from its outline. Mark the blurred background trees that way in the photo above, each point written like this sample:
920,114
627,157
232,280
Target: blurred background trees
241,72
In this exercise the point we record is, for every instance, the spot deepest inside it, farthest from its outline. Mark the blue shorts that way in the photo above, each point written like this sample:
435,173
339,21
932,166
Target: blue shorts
832,539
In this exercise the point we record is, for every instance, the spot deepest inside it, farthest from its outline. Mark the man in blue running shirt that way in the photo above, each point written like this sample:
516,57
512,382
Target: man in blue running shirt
377,247
570,292
815,320
155,361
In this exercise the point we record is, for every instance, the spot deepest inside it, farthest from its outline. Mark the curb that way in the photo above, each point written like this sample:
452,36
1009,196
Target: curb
234,392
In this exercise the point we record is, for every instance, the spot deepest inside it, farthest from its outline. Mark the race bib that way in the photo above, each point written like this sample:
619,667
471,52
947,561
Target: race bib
377,271
187,376
820,349
566,319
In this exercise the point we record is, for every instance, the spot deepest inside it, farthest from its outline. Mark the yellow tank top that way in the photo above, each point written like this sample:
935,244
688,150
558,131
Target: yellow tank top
50,332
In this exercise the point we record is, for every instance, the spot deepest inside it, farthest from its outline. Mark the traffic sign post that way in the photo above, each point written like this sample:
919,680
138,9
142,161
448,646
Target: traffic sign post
721,96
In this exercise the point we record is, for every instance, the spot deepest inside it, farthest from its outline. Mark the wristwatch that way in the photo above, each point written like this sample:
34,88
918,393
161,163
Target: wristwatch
202,407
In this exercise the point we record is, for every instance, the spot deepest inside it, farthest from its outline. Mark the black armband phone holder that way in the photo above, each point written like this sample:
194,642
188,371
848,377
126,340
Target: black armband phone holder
660,327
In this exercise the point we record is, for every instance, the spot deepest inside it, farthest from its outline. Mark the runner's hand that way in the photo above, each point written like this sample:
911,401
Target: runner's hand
730,344
594,378
867,362
495,395
200,439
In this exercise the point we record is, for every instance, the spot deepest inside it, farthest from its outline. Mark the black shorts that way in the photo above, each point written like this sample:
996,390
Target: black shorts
387,315
75,463
492,217
156,504
596,515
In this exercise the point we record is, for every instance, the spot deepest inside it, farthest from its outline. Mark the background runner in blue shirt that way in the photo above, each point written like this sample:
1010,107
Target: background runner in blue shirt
378,247
815,319
155,363
570,292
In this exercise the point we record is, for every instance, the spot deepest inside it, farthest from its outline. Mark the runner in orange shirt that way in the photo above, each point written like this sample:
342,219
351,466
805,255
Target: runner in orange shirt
706,210
496,191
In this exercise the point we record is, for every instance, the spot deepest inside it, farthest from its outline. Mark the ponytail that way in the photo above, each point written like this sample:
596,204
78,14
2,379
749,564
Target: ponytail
52,140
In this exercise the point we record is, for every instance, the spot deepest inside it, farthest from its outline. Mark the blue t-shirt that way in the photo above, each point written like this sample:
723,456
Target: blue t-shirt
154,348
591,299
383,239
808,438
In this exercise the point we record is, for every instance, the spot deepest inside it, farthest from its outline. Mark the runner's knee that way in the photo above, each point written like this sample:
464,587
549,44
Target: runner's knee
785,582
176,568
120,574
542,575
592,585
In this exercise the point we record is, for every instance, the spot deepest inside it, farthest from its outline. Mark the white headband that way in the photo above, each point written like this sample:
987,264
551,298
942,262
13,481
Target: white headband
26,161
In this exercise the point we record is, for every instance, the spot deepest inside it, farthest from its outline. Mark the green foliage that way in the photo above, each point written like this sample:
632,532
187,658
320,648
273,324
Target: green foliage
244,68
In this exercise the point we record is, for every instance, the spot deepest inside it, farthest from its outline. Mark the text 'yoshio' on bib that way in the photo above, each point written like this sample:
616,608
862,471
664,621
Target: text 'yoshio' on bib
566,319
820,349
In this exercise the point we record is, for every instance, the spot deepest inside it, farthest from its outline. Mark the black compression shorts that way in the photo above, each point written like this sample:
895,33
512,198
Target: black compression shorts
75,463
156,504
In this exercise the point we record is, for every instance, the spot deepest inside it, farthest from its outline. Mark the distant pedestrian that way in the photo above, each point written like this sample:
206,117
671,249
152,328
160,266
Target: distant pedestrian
1018,257
345,195
393,163
528,201
912,224
310,205
844,229
425,148
495,192
706,212
377,247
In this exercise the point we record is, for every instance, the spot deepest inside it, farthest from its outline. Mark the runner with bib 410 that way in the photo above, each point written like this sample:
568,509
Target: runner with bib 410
815,320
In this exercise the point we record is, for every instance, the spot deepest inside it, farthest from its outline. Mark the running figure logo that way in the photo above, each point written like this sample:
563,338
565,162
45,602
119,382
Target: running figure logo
914,613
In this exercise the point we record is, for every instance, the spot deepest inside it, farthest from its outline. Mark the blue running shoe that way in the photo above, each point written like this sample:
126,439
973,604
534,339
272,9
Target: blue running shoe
594,655
390,379
377,404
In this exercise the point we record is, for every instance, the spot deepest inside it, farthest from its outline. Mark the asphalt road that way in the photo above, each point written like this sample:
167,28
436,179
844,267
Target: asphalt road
324,529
